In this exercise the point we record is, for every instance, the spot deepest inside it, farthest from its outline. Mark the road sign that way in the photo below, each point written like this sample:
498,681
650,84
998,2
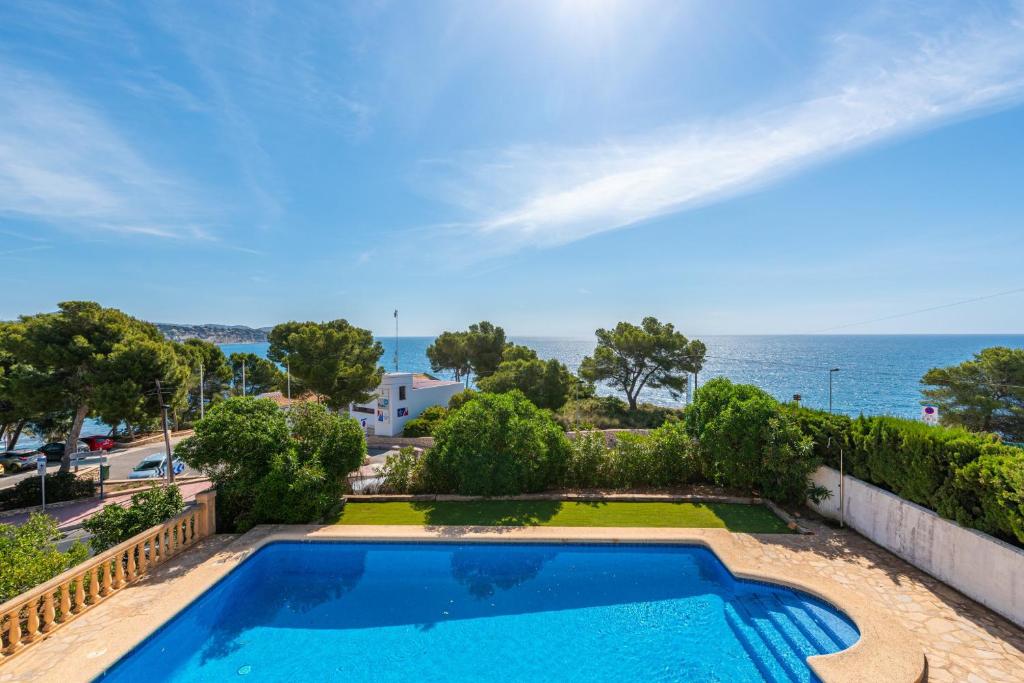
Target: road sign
930,415
41,469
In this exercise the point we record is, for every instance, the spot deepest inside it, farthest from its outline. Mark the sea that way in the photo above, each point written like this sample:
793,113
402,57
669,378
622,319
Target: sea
877,374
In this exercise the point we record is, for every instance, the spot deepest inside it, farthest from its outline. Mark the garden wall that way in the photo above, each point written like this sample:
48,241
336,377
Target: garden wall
983,568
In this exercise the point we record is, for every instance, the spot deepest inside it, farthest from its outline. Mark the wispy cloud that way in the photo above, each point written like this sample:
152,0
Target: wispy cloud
868,91
62,163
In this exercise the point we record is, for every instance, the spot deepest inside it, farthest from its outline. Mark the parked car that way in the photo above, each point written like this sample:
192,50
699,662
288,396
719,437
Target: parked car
18,460
96,442
154,466
55,451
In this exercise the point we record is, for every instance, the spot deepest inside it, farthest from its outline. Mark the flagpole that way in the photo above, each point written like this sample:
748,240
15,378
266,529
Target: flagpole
396,340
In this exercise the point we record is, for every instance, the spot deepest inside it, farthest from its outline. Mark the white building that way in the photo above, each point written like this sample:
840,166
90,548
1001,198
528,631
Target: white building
400,397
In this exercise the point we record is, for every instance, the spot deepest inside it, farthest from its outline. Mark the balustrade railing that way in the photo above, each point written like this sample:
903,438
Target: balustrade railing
45,608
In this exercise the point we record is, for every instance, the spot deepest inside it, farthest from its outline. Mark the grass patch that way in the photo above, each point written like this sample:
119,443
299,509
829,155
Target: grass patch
734,517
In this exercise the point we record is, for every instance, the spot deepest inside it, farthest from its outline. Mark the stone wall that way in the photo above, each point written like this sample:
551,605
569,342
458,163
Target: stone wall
981,567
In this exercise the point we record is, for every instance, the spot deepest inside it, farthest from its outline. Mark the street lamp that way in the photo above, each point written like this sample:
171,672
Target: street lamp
830,373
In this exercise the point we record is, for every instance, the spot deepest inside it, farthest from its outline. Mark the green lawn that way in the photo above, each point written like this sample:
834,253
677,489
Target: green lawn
744,518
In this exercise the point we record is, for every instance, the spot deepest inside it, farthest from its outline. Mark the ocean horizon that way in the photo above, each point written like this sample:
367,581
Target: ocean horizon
878,374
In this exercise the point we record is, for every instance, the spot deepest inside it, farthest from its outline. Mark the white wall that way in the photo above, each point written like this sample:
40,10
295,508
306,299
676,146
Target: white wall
981,567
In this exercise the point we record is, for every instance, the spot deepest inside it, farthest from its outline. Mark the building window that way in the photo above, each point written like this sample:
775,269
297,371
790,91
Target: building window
401,393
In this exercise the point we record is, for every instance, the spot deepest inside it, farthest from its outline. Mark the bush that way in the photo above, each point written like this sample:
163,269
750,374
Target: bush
586,461
115,524
272,468
59,487
609,412
426,422
29,555
401,472
747,442
496,444
968,477
462,398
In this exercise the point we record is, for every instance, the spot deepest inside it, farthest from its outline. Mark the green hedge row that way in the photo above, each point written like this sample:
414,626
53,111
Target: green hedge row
59,487
965,476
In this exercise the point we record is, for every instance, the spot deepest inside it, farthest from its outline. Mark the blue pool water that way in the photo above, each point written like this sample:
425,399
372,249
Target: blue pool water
501,612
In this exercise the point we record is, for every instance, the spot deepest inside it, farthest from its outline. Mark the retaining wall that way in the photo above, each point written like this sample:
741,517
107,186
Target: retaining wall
979,566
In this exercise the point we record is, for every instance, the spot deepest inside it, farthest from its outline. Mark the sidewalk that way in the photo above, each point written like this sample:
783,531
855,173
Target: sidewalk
71,516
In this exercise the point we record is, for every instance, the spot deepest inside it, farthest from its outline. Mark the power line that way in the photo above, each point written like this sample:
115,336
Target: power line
922,310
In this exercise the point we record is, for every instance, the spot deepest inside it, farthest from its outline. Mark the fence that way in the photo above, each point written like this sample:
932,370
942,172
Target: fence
29,617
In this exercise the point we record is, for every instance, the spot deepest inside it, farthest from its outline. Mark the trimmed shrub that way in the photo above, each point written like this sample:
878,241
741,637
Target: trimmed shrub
747,442
496,444
587,461
115,523
59,487
462,398
988,495
426,422
273,468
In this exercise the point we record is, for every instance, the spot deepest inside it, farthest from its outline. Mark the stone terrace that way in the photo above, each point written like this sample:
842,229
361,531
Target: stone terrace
963,640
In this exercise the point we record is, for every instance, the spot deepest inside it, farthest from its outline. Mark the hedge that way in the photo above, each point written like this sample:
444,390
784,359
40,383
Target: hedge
969,477
59,487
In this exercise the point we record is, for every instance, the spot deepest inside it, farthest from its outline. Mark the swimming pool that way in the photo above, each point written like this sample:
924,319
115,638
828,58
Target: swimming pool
503,611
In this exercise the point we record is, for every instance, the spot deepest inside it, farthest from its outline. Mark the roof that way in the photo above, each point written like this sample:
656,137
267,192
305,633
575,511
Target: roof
427,382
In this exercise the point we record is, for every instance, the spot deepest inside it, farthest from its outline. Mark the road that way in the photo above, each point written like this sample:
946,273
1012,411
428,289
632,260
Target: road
121,462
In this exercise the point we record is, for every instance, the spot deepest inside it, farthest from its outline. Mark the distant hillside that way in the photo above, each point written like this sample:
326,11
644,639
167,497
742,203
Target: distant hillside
218,334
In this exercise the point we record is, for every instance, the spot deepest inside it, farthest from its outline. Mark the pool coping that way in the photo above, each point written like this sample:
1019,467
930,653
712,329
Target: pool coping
885,650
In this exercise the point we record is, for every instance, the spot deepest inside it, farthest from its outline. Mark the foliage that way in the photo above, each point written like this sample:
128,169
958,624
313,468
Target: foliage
609,412
269,468
426,422
29,555
462,398
401,471
486,344
450,351
586,463
261,376
968,477
496,444
984,394
335,360
546,384
654,355
85,358
60,486
748,442
216,373
115,524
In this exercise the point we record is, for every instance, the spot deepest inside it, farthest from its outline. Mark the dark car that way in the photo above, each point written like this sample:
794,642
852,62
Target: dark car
55,451
95,442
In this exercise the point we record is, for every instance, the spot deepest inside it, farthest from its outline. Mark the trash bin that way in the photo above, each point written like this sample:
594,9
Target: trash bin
104,472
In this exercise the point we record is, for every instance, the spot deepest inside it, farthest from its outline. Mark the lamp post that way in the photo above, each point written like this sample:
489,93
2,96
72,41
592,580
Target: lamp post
831,372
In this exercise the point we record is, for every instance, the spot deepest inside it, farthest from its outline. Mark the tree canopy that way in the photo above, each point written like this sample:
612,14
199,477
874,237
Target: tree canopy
984,394
478,350
261,375
216,373
84,359
271,466
335,360
450,351
631,357
546,383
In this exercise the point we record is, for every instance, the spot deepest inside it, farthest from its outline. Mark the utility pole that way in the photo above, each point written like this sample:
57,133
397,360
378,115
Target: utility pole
243,377
288,370
831,372
167,434
202,399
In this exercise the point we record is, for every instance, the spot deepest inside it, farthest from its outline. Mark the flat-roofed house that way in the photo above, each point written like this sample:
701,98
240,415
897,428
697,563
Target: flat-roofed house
400,397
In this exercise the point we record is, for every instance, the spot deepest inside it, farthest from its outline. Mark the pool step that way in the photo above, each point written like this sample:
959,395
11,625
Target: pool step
781,647
813,627
768,664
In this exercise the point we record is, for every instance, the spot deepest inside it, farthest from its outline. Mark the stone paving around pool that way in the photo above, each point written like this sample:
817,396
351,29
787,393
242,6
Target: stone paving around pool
962,640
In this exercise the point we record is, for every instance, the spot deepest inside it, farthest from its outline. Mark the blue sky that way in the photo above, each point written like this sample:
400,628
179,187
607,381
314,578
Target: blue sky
555,166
